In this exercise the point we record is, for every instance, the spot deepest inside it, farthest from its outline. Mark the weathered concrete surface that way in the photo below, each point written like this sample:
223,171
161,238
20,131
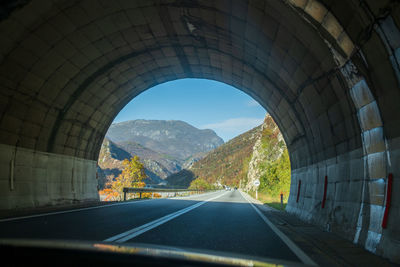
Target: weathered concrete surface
327,71
31,178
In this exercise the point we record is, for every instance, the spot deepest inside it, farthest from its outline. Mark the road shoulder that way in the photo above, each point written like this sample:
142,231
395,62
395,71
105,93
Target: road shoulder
324,248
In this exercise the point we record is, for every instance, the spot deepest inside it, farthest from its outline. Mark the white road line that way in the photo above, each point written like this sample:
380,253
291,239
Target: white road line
81,209
293,247
68,211
153,224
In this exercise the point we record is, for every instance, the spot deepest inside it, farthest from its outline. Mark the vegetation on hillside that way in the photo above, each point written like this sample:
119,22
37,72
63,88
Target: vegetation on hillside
227,163
201,184
275,169
271,166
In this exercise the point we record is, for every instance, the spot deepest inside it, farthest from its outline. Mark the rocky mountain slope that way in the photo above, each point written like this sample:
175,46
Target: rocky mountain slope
267,149
159,163
110,164
174,138
164,147
260,154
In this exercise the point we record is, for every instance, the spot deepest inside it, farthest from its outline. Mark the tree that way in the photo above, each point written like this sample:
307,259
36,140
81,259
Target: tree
200,184
132,175
276,176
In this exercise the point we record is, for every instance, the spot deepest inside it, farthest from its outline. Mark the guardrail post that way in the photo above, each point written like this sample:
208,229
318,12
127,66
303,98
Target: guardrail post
140,195
124,195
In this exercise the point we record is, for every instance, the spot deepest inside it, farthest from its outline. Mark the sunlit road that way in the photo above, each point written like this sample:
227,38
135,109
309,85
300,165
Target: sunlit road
220,221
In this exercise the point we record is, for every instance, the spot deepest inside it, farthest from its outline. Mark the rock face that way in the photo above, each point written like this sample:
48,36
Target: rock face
260,155
238,162
254,172
174,138
110,164
159,163
164,147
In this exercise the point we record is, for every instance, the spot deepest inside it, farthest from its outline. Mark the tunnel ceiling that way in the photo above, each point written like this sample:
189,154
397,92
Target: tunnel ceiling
327,71
68,67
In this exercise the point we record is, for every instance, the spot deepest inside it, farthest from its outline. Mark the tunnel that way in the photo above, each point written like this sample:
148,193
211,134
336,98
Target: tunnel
327,72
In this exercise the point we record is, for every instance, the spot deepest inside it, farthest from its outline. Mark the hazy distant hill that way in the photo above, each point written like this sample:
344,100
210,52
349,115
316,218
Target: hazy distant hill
174,138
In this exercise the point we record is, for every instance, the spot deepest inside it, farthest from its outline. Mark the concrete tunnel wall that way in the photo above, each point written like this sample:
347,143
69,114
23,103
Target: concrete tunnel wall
327,71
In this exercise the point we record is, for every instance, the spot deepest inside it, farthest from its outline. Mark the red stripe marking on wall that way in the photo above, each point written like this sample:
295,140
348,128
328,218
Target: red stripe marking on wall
298,191
325,187
388,200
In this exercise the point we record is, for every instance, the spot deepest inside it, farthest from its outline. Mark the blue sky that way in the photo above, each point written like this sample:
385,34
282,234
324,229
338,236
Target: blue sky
205,104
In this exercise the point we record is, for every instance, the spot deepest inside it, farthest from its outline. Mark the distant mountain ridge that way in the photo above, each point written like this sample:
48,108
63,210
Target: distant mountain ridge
175,138
164,147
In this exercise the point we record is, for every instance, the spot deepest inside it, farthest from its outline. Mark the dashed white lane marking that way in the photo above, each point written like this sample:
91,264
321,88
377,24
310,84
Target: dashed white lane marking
292,246
153,224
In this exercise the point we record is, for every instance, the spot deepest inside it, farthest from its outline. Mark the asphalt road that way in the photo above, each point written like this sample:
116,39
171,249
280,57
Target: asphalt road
221,221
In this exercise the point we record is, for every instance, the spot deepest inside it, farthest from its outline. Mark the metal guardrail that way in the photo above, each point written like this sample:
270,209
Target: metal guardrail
161,190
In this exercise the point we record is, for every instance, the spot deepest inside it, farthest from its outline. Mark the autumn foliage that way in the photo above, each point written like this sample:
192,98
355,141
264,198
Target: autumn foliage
132,175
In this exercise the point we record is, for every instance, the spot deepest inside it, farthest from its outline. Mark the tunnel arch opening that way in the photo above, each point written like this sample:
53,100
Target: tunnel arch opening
179,119
329,77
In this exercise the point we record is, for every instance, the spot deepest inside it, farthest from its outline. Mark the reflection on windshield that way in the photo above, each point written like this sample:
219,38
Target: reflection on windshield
169,252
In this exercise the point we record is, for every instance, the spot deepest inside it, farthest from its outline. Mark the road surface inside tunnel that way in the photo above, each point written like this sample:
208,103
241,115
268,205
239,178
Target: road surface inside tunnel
222,221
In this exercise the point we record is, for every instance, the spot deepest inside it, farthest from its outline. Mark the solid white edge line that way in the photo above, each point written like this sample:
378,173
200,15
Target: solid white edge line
292,246
67,211
83,209
132,233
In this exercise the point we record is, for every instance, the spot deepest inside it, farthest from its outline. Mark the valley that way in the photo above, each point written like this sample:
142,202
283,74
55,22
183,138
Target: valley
178,155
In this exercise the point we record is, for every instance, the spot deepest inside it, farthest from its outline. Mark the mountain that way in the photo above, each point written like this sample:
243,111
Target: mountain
164,147
226,164
260,154
267,150
159,163
177,139
110,164
270,163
